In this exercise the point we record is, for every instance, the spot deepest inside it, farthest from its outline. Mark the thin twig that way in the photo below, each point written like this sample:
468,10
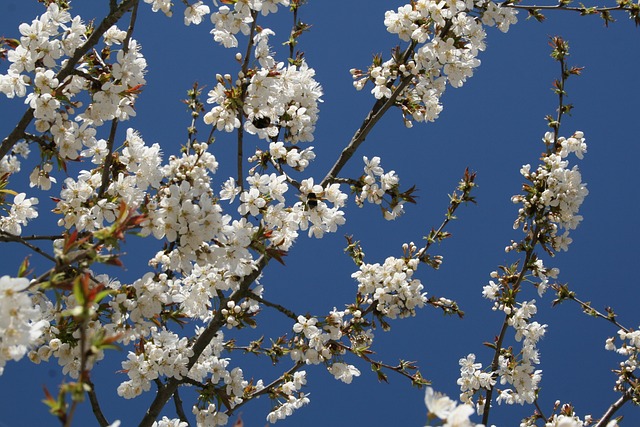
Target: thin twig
537,405
568,8
106,169
179,408
281,171
377,111
266,389
132,24
614,408
95,405
278,307
245,68
8,237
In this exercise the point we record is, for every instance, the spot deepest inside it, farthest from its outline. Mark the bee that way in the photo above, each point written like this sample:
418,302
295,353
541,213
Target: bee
261,122
312,200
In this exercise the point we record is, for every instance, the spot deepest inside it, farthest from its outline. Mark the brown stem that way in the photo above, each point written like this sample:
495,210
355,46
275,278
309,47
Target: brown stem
278,307
245,68
106,169
179,408
8,237
95,405
614,408
566,8
377,111
132,24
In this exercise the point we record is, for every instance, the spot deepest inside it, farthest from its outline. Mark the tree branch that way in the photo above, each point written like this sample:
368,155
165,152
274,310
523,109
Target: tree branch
377,111
95,405
614,408
179,408
8,237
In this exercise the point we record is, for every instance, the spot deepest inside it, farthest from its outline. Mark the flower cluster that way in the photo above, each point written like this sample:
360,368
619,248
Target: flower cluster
445,39
291,155
21,321
311,345
518,369
210,416
43,45
21,211
166,422
629,348
229,21
441,406
391,287
555,194
472,378
275,99
294,398
375,184
165,354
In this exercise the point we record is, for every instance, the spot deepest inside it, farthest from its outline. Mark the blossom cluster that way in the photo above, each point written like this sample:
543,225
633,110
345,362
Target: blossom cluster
446,38
391,287
21,319
294,398
556,192
229,21
629,348
276,98
441,406
375,184
21,211
43,45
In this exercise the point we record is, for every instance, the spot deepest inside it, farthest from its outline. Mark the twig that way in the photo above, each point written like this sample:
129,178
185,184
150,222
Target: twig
108,159
95,405
568,8
132,24
290,180
377,111
278,307
179,408
8,237
614,408
537,405
245,68
266,389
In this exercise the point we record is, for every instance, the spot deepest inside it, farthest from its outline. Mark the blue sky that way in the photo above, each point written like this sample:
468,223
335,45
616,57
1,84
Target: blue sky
493,125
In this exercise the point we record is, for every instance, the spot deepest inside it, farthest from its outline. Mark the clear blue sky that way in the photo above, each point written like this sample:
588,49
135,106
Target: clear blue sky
493,125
